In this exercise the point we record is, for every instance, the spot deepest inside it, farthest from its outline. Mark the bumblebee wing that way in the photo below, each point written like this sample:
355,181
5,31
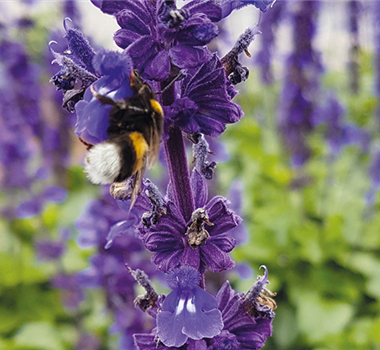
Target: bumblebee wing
155,132
154,145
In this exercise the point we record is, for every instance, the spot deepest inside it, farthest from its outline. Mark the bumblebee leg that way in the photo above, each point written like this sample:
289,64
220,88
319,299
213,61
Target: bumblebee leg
136,80
88,145
122,104
103,99
179,76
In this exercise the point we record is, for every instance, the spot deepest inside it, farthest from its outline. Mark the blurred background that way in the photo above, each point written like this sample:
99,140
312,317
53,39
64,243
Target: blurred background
302,168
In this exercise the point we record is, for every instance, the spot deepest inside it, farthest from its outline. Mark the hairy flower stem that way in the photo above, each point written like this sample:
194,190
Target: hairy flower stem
177,164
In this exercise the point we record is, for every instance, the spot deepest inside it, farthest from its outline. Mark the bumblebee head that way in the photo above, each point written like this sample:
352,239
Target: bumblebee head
103,163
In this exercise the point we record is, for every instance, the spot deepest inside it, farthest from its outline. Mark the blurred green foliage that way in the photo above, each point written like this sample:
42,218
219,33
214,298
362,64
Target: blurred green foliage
32,315
310,226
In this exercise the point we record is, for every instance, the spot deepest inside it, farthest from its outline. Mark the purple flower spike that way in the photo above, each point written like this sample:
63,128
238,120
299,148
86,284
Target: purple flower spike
185,231
188,311
49,250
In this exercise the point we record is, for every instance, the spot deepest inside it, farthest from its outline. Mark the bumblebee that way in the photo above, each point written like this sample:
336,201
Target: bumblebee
134,135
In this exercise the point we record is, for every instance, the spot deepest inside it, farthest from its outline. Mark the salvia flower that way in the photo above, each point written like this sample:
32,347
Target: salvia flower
92,116
198,243
188,311
246,326
205,104
77,72
20,123
157,35
244,321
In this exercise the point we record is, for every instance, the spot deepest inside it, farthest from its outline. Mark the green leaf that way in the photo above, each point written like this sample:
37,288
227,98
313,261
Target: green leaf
307,236
360,333
6,344
38,335
285,326
319,318
373,285
9,319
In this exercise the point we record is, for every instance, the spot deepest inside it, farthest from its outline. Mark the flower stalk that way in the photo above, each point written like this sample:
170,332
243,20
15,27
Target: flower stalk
177,163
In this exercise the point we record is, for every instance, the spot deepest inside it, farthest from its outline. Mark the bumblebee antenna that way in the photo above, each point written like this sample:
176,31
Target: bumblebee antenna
177,77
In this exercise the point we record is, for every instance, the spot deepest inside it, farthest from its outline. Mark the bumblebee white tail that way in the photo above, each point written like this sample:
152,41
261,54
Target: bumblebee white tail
103,163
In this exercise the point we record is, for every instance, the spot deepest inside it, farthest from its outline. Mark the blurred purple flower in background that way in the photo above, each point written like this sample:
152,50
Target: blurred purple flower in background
25,135
50,250
267,26
19,111
107,270
300,91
